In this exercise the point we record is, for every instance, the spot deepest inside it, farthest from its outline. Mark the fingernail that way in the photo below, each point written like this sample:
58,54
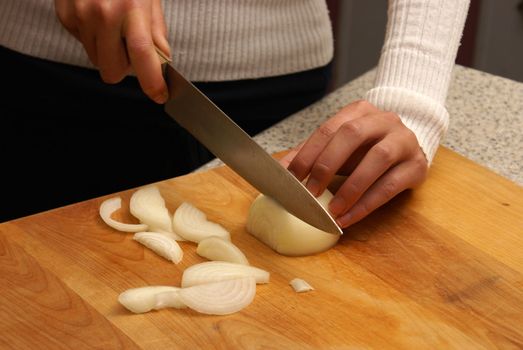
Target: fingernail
337,206
162,98
313,186
344,220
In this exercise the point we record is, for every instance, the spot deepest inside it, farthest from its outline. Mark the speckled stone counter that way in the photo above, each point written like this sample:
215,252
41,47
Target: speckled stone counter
486,120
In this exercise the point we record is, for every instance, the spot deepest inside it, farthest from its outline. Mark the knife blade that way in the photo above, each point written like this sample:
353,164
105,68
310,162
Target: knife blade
192,110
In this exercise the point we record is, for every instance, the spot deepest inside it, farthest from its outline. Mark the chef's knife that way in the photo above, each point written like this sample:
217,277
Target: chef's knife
225,139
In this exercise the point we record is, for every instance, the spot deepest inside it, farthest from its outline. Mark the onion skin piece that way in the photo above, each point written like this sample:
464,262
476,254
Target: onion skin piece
283,232
191,223
162,245
220,298
108,207
142,299
148,205
300,285
216,271
218,249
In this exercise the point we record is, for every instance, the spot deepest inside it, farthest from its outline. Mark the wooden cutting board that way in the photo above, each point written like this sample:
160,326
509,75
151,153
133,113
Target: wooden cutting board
437,268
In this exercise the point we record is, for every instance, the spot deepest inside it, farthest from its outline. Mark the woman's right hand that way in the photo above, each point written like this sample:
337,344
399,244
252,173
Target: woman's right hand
120,36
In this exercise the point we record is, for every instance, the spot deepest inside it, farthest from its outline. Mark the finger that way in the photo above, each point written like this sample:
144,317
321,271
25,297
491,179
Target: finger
88,40
65,14
287,159
86,29
112,55
159,29
348,138
143,56
380,157
303,161
401,177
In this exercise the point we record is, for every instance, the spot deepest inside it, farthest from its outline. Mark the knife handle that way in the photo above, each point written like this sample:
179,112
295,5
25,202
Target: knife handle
163,57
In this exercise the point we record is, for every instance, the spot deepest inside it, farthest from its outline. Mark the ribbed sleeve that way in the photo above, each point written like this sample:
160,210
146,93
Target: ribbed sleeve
416,62
228,39
31,27
211,40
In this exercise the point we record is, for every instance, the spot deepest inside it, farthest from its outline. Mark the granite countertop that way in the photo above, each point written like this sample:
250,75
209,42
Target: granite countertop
486,120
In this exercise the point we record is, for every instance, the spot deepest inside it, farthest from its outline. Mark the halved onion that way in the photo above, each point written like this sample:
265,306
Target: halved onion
169,299
191,223
142,299
108,207
216,248
220,298
215,271
148,205
161,245
285,233
300,285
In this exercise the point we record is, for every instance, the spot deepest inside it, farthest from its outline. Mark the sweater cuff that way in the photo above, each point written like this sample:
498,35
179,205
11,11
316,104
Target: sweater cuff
427,118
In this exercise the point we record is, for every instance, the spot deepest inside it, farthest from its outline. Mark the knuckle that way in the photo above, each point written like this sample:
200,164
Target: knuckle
410,135
103,10
421,165
393,118
320,170
351,191
384,152
139,45
325,130
351,129
363,208
362,105
299,167
419,171
390,188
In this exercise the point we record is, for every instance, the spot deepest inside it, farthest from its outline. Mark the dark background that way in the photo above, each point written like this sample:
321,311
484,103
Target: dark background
492,39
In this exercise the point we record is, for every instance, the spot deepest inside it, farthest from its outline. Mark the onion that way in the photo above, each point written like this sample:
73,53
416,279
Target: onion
108,207
143,299
300,285
192,224
220,298
148,205
285,233
161,245
169,299
215,271
215,248
171,235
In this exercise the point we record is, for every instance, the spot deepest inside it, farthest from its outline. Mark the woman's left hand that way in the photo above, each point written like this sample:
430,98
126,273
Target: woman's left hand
379,154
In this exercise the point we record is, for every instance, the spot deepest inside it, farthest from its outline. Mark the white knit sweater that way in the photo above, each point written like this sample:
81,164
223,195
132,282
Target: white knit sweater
239,39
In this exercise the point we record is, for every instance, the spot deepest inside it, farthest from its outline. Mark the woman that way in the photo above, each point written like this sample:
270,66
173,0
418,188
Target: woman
258,60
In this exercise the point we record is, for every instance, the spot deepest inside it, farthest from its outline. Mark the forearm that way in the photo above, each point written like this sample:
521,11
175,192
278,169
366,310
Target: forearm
416,63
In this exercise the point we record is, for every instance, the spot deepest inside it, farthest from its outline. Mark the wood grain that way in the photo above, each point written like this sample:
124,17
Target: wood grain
438,267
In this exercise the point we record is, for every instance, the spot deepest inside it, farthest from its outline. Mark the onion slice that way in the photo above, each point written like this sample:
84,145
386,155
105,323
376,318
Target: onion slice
216,271
169,299
220,298
108,207
143,299
216,248
161,245
191,223
300,285
148,205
